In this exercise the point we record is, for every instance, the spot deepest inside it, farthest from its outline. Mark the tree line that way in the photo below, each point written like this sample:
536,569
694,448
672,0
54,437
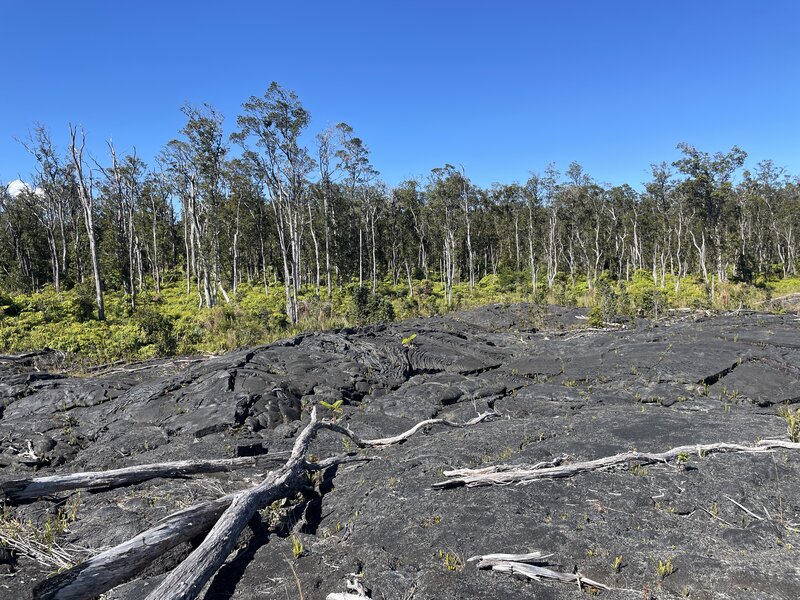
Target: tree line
261,206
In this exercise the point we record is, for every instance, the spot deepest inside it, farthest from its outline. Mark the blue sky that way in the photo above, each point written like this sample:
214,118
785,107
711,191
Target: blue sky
502,88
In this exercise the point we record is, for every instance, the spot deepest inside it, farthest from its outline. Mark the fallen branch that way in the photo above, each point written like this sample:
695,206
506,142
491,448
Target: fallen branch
186,580
717,517
523,564
123,562
226,517
18,490
355,590
507,474
396,439
749,512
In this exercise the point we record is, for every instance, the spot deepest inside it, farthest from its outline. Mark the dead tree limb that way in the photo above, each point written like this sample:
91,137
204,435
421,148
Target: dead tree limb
123,562
226,517
186,580
19,490
507,474
523,565
396,439
355,590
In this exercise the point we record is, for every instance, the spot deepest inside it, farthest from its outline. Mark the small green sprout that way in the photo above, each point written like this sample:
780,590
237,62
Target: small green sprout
617,564
297,547
451,560
407,341
792,418
334,407
664,568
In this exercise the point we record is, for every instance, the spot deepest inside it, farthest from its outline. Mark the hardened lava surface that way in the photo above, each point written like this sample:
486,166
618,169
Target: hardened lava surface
727,524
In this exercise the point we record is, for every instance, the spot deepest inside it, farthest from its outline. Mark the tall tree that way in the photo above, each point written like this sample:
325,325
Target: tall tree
85,184
708,185
198,167
353,157
49,199
269,132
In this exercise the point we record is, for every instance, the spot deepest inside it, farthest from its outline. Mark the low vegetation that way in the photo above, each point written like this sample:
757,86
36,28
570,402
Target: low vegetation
792,418
41,539
171,323
664,568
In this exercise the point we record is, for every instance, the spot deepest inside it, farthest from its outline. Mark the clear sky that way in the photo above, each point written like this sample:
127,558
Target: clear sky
501,87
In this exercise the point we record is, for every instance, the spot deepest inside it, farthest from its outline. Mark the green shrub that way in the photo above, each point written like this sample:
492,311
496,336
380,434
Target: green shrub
371,308
172,322
158,329
8,308
596,317
98,341
82,304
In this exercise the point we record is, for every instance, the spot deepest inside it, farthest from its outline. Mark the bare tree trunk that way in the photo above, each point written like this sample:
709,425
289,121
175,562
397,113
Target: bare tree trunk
372,217
701,253
410,282
187,241
360,256
470,256
531,254
287,273
51,243
552,249
156,273
316,250
235,282
22,490
85,191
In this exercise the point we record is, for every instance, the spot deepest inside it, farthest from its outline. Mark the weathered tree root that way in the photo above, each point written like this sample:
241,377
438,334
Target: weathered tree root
229,515
522,474
20,490
524,565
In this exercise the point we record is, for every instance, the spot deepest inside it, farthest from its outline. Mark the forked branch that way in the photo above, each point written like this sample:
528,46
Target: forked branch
507,474
226,517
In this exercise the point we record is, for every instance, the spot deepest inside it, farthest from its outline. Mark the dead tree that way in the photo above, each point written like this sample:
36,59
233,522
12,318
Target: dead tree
226,517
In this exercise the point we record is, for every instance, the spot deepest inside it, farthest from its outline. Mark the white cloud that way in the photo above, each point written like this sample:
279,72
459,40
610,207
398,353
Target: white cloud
16,187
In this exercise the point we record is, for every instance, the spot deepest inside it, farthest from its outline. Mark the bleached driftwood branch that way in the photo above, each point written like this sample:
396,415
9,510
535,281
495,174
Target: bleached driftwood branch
124,561
186,580
226,517
507,474
524,565
396,439
18,490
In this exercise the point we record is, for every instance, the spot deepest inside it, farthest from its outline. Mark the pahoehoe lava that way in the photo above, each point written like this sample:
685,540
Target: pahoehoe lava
727,524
